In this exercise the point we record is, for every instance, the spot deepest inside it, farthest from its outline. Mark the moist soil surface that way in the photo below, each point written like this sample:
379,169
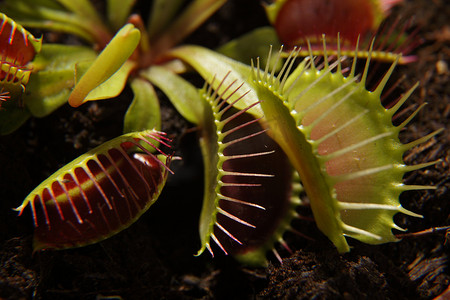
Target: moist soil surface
154,258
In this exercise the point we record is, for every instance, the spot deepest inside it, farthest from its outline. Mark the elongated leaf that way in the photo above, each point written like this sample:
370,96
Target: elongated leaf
210,64
183,95
10,5
144,112
118,12
83,8
107,63
75,17
251,45
56,57
161,14
190,19
33,15
50,85
110,88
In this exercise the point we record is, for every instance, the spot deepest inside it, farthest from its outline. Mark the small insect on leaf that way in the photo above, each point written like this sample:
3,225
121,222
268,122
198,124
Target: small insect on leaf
100,193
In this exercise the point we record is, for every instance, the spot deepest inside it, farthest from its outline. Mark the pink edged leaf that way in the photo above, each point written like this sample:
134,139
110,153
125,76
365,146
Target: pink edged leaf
98,194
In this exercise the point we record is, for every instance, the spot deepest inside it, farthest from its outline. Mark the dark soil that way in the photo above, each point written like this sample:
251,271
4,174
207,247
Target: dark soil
153,259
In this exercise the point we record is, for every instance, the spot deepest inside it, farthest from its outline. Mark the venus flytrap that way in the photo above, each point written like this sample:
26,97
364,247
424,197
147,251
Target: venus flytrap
343,144
100,193
67,206
135,48
18,48
302,22
260,133
249,201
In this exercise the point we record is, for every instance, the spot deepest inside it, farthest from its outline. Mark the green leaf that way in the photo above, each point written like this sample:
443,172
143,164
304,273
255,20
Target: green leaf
12,117
47,91
107,63
83,8
51,16
183,95
112,87
161,14
118,12
210,64
49,87
190,19
251,45
11,4
273,9
144,112
55,57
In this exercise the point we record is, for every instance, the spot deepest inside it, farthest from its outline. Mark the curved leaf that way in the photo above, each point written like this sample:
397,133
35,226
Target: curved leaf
161,14
118,12
144,112
210,64
110,88
49,15
107,63
194,15
251,45
183,95
248,201
12,117
54,68
75,17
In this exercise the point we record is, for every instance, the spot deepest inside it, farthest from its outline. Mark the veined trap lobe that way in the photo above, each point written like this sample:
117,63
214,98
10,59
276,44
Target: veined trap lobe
250,200
343,144
18,48
271,193
98,194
